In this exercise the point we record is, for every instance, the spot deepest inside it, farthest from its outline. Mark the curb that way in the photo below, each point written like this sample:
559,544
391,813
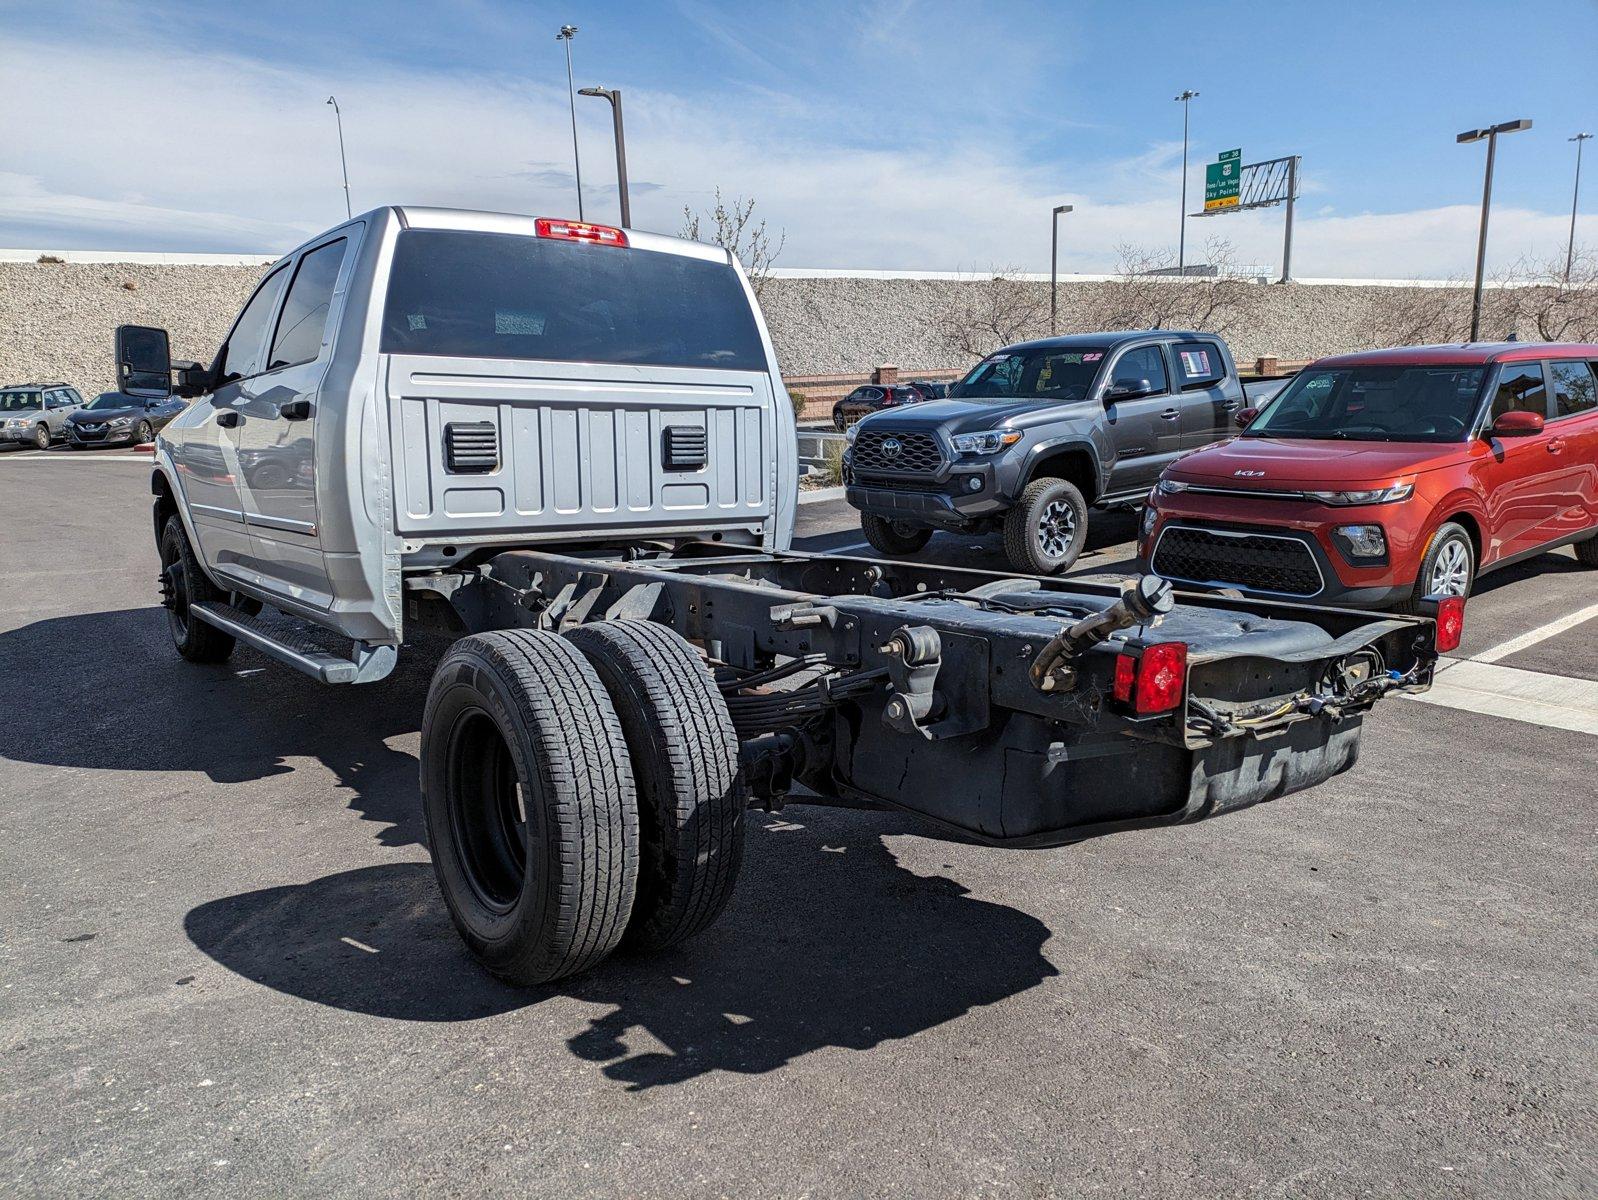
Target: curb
821,495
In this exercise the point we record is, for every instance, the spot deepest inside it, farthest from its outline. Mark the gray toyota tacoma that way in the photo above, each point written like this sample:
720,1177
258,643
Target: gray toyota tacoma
1035,435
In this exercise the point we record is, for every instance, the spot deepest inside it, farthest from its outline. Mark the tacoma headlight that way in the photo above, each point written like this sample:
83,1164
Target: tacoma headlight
850,431
990,442
120,423
1171,486
1387,495
1362,541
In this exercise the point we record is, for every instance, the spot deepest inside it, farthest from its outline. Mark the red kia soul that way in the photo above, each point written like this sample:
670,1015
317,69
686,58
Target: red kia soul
1378,479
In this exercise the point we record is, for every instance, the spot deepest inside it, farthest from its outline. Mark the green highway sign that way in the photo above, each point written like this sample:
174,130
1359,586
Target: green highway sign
1221,180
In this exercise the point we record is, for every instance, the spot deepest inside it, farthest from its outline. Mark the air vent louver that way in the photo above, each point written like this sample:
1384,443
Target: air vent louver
470,447
683,447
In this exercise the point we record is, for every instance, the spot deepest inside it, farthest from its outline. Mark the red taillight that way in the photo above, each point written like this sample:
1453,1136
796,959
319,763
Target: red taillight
579,231
1125,678
1450,623
1153,680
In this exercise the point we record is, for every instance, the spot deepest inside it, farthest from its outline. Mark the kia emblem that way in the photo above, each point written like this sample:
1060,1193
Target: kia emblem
1249,474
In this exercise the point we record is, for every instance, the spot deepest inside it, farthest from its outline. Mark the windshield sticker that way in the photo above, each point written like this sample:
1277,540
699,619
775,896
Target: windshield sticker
416,320
1195,363
1094,357
513,322
1069,358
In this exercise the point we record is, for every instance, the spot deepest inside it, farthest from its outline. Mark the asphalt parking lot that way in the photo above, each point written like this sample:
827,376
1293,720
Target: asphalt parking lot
225,968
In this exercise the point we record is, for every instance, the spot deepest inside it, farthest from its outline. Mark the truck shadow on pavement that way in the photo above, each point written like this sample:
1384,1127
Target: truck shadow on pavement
108,692
828,942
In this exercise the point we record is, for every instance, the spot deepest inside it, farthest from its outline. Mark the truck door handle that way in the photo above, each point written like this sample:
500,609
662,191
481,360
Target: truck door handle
1170,414
295,410
228,419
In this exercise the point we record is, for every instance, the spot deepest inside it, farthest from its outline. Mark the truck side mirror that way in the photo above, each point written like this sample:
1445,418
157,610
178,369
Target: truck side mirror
1244,417
1518,423
1128,389
144,359
193,379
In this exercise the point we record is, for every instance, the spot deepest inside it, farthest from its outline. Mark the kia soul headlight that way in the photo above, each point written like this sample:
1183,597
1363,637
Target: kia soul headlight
1387,495
990,442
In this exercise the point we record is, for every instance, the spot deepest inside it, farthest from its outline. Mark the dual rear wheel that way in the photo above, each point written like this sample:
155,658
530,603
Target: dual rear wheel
582,793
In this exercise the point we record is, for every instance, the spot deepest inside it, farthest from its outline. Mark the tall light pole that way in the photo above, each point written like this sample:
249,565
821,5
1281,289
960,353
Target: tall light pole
342,164
1575,198
1181,240
1054,267
1475,135
614,96
567,32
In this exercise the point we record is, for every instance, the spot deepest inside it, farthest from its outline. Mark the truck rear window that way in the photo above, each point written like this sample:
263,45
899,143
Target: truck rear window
497,295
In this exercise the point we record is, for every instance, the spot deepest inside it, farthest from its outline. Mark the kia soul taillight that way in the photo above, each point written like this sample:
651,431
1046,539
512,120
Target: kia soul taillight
1151,679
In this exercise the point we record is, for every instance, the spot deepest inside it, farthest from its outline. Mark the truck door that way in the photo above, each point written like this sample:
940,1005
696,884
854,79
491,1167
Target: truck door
205,438
1143,417
278,435
1209,394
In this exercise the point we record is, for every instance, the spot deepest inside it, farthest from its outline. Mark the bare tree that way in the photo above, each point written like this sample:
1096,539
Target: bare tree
1145,295
1546,305
987,313
732,226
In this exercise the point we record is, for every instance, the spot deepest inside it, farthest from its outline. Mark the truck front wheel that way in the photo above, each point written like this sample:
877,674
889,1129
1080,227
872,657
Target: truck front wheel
532,813
894,537
184,582
691,797
1045,532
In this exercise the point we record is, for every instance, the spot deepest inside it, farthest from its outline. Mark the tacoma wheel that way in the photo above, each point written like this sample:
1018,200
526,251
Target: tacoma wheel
531,811
183,581
1447,569
691,797
1045,532
894,537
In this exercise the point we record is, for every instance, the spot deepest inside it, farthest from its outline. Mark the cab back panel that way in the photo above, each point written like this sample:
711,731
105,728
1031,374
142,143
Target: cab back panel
576,448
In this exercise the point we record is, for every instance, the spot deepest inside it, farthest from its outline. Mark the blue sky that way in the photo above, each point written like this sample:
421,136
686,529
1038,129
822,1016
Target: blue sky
910,134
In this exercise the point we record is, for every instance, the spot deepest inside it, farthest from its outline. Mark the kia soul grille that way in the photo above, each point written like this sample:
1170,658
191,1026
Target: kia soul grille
1258,562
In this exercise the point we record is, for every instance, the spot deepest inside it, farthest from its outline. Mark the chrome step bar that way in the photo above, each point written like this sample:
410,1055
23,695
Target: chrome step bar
366,664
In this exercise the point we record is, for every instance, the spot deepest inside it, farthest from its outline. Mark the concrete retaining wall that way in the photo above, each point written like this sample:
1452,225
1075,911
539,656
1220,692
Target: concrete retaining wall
56,318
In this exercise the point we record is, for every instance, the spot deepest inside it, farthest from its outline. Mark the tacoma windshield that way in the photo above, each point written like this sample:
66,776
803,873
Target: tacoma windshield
1058,375
1375,404
19,401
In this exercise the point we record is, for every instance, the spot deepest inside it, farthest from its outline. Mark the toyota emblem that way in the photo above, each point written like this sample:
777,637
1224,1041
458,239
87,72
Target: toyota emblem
891,448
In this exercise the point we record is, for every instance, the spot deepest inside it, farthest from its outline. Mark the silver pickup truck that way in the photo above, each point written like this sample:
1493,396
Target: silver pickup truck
568,446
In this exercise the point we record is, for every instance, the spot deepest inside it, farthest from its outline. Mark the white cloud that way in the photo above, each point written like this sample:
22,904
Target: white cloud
224,154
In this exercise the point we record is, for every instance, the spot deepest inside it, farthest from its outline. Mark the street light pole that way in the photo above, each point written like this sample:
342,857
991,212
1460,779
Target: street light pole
1475,135
1575,198
567,32
614,96
342,164
1054,267
1181,240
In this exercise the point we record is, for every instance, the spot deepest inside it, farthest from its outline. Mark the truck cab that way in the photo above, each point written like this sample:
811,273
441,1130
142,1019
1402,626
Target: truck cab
417,387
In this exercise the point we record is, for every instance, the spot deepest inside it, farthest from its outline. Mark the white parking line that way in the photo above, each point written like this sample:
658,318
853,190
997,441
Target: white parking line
1535,697
1531,637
